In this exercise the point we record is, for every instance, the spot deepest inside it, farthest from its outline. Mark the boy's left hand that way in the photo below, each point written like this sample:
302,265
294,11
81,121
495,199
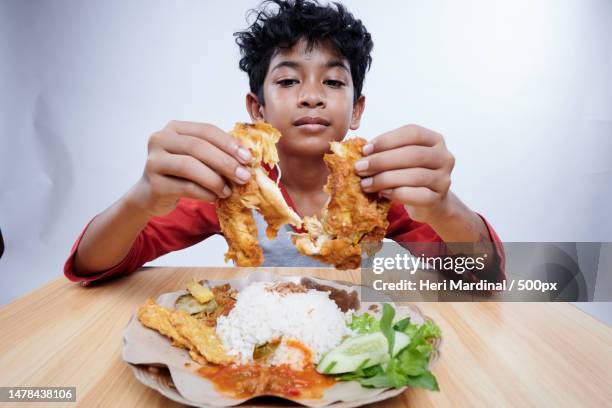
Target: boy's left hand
411,165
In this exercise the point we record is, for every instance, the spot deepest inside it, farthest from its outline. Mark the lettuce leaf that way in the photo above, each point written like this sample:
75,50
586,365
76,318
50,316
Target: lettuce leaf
364,324
410,366
386,325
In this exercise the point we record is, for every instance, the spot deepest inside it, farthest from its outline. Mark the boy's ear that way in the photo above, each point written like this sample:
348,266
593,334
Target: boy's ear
254,108
357,112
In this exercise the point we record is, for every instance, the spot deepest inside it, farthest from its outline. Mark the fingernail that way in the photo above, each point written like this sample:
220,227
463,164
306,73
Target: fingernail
361,165
367,149
226,192
244,154
366,182
243,174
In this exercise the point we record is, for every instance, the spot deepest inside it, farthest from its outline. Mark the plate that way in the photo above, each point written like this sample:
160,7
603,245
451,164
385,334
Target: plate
171,371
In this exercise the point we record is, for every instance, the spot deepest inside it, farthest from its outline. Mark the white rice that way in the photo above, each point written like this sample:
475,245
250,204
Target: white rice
285,354
261,316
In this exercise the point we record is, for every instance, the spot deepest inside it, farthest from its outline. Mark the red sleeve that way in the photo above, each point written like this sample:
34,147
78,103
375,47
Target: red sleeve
189,223
420,238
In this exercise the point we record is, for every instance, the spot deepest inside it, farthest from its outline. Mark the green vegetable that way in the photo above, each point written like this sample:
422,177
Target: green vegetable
354,353
364,324
425,380
328,369
265,350
360,352
393,377
361,373
406,363
386,325
402,324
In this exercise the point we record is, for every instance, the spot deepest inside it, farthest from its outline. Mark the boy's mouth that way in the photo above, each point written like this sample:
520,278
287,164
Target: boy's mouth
311,124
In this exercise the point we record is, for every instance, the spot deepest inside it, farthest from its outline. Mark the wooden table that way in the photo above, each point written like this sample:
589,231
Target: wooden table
493,354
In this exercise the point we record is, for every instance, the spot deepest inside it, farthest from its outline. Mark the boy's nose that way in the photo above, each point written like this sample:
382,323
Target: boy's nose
310,98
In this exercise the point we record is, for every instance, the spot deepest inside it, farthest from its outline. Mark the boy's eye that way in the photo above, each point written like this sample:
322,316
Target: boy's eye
334,83
287,82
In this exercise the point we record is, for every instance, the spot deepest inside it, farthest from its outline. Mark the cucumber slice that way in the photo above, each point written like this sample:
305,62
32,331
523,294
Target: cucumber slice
402,340
361,352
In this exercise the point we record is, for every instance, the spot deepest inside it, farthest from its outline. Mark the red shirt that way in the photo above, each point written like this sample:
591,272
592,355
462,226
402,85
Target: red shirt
193,221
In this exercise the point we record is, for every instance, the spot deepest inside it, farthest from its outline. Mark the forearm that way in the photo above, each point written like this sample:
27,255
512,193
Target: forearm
109,237
456,222
463,230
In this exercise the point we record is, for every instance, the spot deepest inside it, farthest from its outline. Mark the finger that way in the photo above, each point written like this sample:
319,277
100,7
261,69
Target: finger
184,188
415,196
403,136
417,177
403,157
214,135
187,167
209,154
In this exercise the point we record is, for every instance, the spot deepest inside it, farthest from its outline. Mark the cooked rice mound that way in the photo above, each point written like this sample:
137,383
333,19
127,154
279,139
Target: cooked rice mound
264,314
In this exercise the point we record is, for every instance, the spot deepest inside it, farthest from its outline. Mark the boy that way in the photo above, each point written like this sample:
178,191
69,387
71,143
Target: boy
306,65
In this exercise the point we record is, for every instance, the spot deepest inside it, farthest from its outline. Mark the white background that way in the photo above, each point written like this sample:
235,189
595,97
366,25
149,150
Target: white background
522,91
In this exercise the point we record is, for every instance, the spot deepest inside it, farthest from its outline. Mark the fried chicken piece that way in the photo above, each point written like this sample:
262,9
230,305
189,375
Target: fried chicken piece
197,357
239,229
351,218
260,193
157,318
186,332
204,339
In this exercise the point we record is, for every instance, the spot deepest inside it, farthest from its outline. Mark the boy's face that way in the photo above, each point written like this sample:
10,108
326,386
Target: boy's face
308,97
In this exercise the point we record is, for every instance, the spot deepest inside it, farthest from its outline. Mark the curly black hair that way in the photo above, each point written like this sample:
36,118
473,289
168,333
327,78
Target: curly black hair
282,27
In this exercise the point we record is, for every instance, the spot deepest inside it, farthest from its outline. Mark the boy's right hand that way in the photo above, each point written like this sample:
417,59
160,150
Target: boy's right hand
188,159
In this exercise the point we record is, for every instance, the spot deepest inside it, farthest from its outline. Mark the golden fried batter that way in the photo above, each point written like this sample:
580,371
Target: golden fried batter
238,227
204,339
260,193
157,318
351,218
185,331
